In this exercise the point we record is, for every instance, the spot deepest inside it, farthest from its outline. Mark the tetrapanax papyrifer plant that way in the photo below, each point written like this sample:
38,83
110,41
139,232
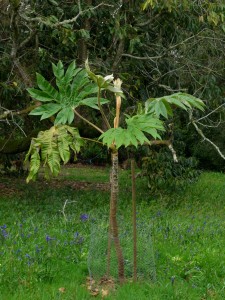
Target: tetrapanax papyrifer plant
76,87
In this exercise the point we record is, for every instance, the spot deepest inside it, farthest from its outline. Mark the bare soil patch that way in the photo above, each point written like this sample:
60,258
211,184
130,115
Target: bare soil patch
11,186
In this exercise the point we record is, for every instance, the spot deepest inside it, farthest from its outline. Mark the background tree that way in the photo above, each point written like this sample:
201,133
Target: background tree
156,47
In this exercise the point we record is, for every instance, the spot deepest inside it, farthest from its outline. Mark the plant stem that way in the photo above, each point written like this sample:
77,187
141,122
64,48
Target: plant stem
87,121
134,220
113,211
117,84
101,110
109,245
92,140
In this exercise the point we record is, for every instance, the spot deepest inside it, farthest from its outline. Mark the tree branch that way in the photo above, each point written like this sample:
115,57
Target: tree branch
167,143
57,24
199,131
27,40
142,57
211,112
11,113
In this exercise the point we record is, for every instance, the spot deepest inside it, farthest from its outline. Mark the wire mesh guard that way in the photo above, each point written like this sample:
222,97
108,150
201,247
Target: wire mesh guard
99,264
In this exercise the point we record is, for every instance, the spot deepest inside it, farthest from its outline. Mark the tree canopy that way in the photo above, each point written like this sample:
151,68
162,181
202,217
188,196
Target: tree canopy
156,47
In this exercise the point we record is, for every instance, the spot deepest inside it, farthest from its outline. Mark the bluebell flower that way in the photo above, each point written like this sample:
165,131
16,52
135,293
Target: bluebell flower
48,238
84,217
4,233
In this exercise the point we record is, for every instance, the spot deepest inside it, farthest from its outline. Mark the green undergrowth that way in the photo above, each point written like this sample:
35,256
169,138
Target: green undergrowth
45,237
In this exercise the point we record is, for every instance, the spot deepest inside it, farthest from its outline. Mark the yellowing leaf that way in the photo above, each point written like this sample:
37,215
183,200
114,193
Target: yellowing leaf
104,293
62,290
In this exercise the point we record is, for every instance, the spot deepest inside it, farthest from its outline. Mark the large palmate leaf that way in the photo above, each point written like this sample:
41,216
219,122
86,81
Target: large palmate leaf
145,123
134,134
74,88
40,95
46,110
50,148
46,87
93,102
163,106
66,115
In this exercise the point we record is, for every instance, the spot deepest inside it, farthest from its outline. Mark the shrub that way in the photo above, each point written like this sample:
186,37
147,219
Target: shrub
165,175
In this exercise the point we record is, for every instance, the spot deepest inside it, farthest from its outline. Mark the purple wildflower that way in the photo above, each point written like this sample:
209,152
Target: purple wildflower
48,238
84,217
4,233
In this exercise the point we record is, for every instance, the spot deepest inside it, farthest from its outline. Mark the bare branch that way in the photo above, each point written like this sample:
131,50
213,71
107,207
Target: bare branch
199,131
57,24
175,159
11,113
166,50
27,40
167,143
142,57
211,112
168,88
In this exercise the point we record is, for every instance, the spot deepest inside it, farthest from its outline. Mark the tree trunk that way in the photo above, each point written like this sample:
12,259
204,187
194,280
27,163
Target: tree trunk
113,211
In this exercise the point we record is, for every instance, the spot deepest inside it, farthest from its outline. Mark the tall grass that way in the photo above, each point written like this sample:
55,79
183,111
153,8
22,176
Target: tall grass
44,247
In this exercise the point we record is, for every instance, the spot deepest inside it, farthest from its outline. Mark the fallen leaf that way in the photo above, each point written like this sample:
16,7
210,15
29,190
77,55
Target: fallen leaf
104,293
94,292
62,290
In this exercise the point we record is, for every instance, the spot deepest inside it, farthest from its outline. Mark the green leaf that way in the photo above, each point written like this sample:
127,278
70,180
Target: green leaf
175,100
137,126
192,101
66,115
93,102
46,87
58,70
114,136
138,134
88,90
39,95
162,105
168,108
46,110
90,74
161,109
79,82
145,121
70,73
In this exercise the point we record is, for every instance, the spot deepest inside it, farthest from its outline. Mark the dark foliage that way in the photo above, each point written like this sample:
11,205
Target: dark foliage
165,175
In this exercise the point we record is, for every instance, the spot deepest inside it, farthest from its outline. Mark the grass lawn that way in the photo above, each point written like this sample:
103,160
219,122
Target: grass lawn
44,244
